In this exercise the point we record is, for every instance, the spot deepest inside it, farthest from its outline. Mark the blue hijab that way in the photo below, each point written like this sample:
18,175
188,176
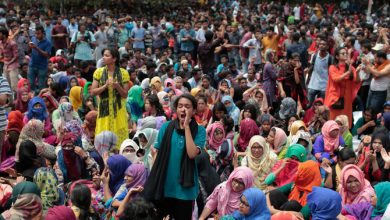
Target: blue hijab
232,106
117,165
63,82
324,204
258,206
37,113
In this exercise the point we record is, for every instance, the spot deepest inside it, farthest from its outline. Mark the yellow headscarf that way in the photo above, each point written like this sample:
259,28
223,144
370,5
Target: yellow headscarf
75,97
295,126
156,82
343,119
195,91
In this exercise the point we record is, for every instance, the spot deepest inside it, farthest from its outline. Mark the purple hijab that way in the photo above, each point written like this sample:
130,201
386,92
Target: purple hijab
117,165
139,173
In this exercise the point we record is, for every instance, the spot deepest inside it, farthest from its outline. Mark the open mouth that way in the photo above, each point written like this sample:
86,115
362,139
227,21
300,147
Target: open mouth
182,115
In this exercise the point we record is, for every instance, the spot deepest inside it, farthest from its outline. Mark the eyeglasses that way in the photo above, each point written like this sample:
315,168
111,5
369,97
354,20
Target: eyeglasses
243,202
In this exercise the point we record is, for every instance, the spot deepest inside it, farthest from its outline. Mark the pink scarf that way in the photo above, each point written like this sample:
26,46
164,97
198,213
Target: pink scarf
280,139
227,200
330,143
213,143
365,192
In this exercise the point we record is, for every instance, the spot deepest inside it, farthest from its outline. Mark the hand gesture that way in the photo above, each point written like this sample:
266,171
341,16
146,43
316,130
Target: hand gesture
11,172
385,156
371,123
326,161
187,120
283,94
326,167
79,151
109,82
285,161
115,85
20,179
137,189
105,177
299,64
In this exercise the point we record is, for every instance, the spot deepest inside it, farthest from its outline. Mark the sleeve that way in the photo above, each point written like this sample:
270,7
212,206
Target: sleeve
270,179
125,76
93,39
348,140
305,211
286,189
212,200
318,147
200,139
47,48
248,43
73,40
97,74
4,87
160,135
358,124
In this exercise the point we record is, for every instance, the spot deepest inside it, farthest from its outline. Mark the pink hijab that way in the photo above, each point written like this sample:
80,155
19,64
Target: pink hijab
213,143
223,198
248,129
280,139
330,143
366,190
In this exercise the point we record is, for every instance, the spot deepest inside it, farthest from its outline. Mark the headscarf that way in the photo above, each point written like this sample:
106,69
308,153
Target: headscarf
386,119
90,120
34,131
288,108
324,204
226,150
51,99
156,82
117,165
70,80
60,213
151,136
75,97
147,122
280,139
260,166
144,83
365,192
66,112
15,121
63,82
28,159
266,118
248,128
228,200
19,103
383,198
343,119
284,215
71,164
131,156
232,106
139,173
21,84
213,143
195,91
295,126
47,182
135,102
288,173
37,113
86,86
258,208
5,193
22,188
308,175
330,143
304,136
105,141
26,206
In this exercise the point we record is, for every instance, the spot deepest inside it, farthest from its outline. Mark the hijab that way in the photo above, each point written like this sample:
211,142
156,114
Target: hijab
139,173
34,131
151,136
330,143
25,187
66,112
135,102
21,84
37,113
75,97
288,108
263,165
26,206
280,139
365,192
383,198
71,164
228,200
284,215
324,204
308,175
60,213
288,173
296,126
343,119
232,107
47,182
195,91
213,143
51,99
28,159
15,121
147,122
156,82
19,103
386,119
258,208
105,141
131,156
90,120
117,165
248,128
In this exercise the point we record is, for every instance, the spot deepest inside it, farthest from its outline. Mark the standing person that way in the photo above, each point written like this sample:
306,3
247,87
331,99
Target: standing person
10,56
83,41
174,188
343,85
187,38
40,52
137,37
101,41
59,35
5,93
110,83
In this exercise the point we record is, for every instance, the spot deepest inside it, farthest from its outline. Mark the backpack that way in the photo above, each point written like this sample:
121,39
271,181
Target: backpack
311,69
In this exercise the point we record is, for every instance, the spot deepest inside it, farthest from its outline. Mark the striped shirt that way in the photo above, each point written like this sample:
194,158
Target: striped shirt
4,89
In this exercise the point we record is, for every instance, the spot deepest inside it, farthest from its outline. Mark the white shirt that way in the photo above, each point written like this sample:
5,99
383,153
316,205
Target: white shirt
297,13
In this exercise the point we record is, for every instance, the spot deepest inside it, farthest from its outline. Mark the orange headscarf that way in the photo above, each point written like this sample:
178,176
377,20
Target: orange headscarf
308,175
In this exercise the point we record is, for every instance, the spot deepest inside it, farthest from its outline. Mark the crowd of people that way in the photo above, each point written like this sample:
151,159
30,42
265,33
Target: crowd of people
220,110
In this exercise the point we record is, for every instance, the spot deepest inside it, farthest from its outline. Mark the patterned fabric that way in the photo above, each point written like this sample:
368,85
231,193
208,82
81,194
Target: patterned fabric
47,182
26,206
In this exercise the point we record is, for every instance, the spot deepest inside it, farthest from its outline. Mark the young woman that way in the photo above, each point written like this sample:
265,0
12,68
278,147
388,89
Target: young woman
232,109
146,138
260,159
110,83
326,145
277,140
354,187
219,110
253,205
37,110
81,203
266,122
324,203
153,106
76,97
47,182
215,135
225,198
181,140
203,113
343,85
22,100
342,121
366,124
135,103
165,102
248,128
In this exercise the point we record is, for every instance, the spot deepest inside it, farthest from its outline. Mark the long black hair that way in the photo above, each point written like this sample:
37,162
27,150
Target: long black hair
251,109
81,198
336,60
384,137
114,53
219,106
154,101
